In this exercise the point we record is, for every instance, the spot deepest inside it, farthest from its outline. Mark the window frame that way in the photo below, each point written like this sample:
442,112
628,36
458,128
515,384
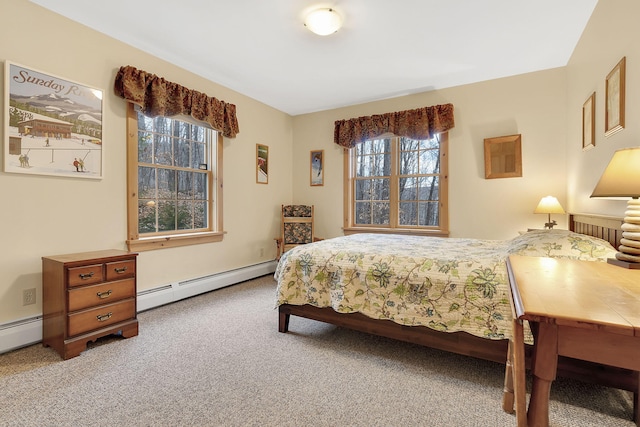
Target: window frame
349,227
213,233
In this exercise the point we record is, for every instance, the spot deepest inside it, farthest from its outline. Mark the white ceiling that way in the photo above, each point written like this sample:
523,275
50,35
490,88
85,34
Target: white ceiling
385,49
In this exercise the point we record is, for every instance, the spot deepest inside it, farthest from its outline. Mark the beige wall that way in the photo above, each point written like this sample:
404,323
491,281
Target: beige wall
533,105
43,215
612,33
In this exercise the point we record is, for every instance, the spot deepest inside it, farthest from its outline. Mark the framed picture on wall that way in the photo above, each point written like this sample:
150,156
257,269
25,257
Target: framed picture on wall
503,157
52,126
588,122
614,99
317,167
262,164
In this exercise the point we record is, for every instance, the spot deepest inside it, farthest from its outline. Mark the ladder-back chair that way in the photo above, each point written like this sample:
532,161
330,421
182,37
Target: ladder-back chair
296,227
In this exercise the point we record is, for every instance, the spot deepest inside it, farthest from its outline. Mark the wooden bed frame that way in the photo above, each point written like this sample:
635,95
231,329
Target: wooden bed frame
604,227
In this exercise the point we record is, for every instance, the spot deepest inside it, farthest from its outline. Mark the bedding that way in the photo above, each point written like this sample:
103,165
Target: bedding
446,284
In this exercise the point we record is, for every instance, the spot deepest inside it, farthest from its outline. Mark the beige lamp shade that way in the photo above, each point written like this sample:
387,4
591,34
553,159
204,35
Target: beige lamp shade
549,205
621,178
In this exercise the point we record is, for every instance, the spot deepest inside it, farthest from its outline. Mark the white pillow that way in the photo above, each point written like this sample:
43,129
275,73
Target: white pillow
561,244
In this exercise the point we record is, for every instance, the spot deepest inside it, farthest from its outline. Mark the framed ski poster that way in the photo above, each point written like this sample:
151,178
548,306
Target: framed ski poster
52,126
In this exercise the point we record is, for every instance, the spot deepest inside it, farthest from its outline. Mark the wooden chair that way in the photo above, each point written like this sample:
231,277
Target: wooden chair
297,228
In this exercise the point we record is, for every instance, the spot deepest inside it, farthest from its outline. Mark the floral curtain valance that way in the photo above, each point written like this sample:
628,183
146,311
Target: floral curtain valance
159,97
421,123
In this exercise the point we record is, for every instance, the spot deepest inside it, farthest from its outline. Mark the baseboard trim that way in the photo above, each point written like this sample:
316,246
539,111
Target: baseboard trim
28,331
152,298
20,333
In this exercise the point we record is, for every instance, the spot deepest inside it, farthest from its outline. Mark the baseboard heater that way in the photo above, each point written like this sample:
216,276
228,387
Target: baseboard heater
152,298
28,331
20,333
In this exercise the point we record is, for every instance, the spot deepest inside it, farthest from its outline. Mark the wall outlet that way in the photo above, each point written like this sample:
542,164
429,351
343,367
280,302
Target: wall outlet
29,296
261,252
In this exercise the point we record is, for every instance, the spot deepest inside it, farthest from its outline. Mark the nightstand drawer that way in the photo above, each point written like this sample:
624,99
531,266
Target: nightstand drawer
85,275
89,320
104,293
121,269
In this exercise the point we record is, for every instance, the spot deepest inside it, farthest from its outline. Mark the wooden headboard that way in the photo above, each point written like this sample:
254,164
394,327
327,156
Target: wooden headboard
605,227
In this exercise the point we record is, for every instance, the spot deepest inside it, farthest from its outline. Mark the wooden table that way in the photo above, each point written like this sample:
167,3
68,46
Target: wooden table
580,309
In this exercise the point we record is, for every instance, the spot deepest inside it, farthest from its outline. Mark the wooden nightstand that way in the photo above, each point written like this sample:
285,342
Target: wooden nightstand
87,296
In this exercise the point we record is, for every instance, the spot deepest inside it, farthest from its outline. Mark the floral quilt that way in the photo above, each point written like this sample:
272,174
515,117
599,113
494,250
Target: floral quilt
447,284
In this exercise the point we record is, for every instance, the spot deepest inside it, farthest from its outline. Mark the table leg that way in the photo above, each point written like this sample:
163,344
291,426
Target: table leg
508,392
544,365
519,370
636,402
514,378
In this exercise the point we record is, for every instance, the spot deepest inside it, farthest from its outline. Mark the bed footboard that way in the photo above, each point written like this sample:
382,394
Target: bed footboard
454,342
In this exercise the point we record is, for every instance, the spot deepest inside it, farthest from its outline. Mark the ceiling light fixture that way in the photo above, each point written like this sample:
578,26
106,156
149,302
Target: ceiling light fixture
323,21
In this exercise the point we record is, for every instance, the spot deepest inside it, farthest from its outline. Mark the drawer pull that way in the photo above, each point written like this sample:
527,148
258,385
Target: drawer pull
86,276
103,295
103,317
120,270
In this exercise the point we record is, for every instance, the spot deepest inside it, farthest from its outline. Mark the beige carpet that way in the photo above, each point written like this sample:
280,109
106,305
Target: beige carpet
218,360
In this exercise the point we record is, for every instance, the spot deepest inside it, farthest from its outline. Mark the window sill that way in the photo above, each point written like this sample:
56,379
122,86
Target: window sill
173,241
406,231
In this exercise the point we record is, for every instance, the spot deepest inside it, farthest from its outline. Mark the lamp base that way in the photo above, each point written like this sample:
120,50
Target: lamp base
624,264
628,255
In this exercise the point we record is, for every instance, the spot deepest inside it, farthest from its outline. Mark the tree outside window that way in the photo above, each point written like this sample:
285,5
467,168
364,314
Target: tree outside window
176,186
397,184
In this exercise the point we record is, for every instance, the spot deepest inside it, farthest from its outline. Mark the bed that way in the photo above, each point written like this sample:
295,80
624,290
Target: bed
446,293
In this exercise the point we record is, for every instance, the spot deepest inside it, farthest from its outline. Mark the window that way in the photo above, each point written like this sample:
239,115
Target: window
397,185
174,183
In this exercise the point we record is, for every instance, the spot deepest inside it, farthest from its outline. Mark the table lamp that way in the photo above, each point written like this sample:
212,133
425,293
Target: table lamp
549,205
621,178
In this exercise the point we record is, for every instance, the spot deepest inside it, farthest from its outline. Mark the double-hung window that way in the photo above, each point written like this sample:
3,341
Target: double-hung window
397,185
174,182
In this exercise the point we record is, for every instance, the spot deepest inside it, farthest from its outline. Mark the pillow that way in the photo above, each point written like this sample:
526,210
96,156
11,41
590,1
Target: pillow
561,244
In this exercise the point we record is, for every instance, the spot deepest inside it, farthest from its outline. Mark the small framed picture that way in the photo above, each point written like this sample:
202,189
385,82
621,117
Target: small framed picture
317,167
503,157
614,99
262,164
588,122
